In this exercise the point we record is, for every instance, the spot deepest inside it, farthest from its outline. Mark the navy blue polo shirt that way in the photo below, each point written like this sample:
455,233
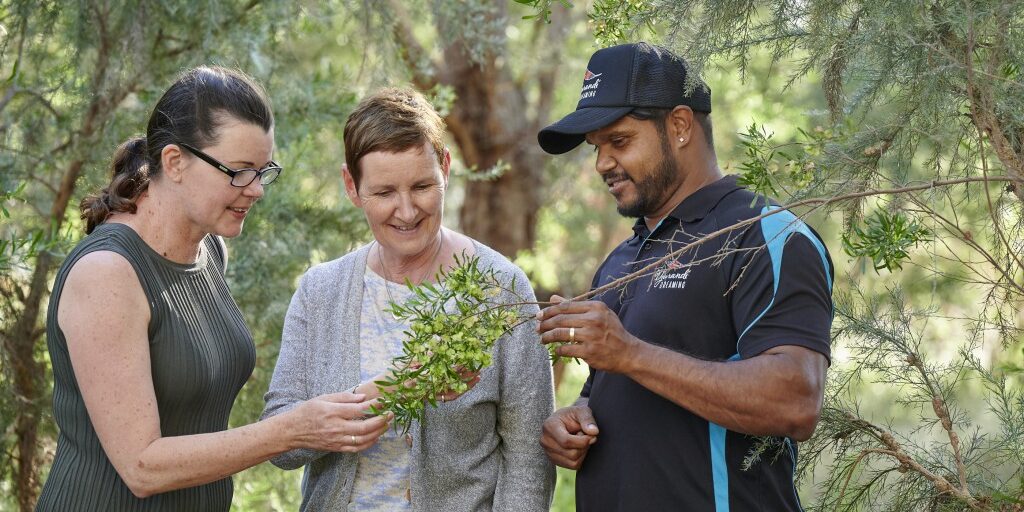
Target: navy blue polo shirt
769,285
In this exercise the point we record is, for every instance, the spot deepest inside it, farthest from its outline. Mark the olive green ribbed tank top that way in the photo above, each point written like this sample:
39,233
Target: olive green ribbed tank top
201,353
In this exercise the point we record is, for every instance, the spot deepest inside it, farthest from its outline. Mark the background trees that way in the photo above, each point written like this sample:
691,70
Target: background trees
78,78
898,116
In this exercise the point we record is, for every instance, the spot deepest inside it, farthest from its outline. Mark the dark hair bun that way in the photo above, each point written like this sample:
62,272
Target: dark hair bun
130,178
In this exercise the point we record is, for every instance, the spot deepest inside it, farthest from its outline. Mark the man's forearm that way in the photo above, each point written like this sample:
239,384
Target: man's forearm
775,393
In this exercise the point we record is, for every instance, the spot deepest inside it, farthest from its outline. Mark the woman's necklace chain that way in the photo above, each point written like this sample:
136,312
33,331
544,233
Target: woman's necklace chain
387,278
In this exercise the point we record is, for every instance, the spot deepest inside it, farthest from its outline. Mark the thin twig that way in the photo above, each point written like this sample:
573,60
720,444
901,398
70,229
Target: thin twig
969,240
893,449
942,412
820,201
853,467
984,168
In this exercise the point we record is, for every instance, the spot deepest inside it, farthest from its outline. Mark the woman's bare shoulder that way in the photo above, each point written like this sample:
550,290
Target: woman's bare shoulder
103,280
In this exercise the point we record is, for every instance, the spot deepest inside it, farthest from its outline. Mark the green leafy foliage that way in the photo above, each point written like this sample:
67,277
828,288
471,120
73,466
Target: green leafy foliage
454,324
10,195
896,76
955,458
18,249
615,20
14,248
885,239
769,169
542,9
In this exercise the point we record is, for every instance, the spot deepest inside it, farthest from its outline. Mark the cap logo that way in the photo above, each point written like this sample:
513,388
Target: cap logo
590,89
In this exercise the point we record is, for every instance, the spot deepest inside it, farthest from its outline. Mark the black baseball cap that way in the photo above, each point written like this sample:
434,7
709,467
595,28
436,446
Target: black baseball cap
618,80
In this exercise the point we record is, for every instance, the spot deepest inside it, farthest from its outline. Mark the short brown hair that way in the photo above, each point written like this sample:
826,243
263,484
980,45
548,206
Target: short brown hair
393,119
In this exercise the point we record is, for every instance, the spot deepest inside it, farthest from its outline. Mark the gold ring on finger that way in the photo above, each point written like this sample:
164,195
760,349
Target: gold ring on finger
353,438
572,335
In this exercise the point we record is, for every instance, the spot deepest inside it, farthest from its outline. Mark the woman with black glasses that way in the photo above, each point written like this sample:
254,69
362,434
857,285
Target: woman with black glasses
149,350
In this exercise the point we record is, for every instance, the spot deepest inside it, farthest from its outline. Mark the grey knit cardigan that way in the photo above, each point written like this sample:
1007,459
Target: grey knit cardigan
480,452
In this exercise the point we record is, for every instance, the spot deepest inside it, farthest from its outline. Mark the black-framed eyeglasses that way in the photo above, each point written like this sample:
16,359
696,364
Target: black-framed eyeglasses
239,177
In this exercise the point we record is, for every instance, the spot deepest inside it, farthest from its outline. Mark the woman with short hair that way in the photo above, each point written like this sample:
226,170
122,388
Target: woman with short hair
478,451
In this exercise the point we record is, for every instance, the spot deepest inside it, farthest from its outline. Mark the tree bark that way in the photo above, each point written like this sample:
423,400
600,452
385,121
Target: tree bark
501,213
28,386
492,121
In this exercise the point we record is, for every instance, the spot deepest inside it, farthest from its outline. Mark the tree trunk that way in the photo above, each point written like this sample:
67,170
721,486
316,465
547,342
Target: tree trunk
20,343
492,122
502,213
28,386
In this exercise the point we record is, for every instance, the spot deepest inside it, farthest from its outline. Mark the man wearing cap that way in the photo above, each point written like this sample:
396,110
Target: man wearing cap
714,350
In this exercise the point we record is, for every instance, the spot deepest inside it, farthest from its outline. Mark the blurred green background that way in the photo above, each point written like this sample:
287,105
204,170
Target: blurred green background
848,102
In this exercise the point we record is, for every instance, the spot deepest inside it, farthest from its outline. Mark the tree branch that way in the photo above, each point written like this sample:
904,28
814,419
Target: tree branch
942,412
195,42
984,161
968,238
410,50
850,471
893,449
984,118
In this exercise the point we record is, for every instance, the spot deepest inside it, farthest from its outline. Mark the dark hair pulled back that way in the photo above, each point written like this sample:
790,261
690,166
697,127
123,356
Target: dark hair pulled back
192,111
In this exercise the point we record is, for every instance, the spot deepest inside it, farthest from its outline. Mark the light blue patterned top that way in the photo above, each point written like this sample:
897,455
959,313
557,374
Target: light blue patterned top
382,474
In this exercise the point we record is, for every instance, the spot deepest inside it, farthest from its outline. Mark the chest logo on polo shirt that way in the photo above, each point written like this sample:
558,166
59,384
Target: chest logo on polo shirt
672,275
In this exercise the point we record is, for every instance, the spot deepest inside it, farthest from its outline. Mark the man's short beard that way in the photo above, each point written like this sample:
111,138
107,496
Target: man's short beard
652,189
